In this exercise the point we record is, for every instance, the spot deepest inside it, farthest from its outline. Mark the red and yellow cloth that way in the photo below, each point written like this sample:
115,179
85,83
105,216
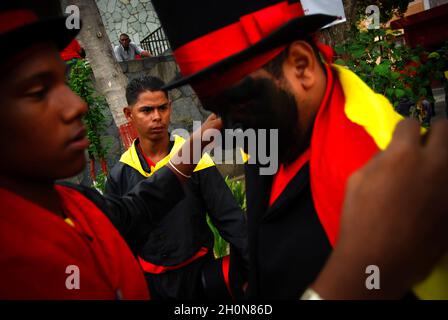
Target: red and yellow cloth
352,125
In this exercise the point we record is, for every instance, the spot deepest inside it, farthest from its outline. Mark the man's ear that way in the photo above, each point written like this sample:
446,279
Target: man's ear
302,64
128,113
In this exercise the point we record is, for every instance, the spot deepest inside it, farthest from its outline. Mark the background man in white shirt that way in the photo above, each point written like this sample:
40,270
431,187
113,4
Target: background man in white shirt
127,49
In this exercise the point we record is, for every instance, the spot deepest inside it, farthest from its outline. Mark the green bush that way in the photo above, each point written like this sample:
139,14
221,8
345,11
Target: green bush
80,81
221,246
391,68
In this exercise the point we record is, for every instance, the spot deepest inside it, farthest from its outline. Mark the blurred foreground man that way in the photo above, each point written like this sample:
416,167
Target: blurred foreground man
258,65
60,241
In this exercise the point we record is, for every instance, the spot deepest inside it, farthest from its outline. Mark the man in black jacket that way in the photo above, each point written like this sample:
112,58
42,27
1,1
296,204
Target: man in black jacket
181,245
274,74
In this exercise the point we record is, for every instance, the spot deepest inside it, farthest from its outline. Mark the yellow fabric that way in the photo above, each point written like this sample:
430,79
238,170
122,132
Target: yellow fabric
244,156
435,287
130,157
375,113
368,109
69,222
446,74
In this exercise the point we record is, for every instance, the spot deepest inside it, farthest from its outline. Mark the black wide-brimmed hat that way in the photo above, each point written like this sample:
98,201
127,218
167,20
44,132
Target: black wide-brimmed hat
210,36
25,22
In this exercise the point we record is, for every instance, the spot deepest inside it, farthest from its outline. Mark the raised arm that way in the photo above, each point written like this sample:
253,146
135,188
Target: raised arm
395,217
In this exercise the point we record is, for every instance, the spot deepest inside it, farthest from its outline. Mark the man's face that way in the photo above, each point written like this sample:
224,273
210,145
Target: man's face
42,136
260,102
150,115
124,41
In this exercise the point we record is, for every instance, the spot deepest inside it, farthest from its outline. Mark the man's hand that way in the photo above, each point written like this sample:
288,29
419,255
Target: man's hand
212,122
395,216
184,159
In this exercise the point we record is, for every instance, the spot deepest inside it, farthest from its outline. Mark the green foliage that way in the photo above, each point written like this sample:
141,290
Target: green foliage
238,191
391,68
80,82
221,247
100,182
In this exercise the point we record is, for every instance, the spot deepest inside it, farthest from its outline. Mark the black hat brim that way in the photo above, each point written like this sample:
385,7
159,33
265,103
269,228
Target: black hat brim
294,29
52,30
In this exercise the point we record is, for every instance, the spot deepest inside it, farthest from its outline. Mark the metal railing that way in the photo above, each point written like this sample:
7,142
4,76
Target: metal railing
156,42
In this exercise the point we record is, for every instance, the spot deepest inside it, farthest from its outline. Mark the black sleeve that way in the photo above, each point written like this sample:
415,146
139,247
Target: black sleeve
112,187
224,211
121,179
135,213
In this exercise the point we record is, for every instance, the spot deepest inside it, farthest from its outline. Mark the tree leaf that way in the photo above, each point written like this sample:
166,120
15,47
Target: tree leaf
340,62
382,69
434,55
389,92
395,75
400,93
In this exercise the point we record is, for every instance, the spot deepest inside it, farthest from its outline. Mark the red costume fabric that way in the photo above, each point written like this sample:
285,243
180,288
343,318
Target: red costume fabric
72,51
37,246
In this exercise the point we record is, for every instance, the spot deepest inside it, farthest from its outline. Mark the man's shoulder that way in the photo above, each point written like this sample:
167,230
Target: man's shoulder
133,45
122,178
209,177
120,169
88,192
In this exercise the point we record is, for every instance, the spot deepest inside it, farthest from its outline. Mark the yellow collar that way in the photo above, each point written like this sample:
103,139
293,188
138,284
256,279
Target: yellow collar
130,157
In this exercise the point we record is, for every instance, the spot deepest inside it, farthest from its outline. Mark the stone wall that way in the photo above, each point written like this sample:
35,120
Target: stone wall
133,17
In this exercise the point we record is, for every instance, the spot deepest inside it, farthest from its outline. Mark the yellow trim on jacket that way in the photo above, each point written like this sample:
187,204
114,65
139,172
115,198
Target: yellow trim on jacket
130,157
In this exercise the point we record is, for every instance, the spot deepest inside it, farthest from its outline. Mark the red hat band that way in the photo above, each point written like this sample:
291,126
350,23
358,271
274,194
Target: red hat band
14,19
225,42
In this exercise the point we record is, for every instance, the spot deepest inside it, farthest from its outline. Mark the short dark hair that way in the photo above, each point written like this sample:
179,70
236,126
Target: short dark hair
123,34
139,85
275,66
